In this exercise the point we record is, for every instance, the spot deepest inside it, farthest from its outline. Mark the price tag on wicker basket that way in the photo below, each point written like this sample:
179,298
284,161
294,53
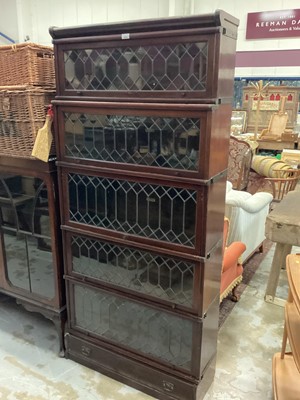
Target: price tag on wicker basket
44,138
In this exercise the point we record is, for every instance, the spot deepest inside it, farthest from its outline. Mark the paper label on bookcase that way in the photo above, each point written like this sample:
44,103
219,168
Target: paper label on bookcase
43,141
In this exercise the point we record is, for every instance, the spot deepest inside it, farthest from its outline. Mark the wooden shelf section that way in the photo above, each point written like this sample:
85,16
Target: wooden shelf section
286,366
285,378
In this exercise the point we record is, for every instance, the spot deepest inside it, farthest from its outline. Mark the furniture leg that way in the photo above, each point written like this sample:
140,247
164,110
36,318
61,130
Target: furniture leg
285,335
58,319
59,323
284,340
235,296
281,251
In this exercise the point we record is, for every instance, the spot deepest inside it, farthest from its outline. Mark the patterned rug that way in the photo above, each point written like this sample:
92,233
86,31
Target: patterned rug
250,267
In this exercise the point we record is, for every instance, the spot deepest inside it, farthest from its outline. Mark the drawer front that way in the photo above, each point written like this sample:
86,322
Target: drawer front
151,332
161,383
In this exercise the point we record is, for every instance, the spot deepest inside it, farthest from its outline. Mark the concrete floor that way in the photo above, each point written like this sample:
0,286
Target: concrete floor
30,368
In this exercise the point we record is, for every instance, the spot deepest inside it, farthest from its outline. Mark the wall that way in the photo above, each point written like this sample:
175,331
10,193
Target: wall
38,15
35,16
240,8
8,21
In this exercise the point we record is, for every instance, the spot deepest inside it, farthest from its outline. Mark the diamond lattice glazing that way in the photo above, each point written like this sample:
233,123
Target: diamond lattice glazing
157,212
155,141
171,67
159,276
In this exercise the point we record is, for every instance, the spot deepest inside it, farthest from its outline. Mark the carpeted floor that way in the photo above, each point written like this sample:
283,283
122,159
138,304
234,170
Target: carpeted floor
250,267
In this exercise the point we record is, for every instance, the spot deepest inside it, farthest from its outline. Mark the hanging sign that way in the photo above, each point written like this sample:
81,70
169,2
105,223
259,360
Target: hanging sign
273,24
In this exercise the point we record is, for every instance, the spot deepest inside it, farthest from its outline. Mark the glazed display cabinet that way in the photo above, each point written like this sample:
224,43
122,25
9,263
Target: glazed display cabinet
30,239
143,115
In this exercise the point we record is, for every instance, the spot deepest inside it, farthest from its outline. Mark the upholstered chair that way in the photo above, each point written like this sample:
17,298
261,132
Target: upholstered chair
247,214
232,269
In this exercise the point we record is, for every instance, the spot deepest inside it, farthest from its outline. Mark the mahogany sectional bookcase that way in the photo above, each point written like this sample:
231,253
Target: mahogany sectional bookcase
142,124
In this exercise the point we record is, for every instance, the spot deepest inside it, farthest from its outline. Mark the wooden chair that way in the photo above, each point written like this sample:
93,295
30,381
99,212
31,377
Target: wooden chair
239,163
285,181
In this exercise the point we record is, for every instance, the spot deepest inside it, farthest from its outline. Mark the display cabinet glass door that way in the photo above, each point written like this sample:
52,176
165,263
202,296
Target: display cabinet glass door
160,277
153,141
159,212
170,67
26,235
158,334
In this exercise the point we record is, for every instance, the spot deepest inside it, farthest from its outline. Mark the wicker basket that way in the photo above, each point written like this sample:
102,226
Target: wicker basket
22,114
27,64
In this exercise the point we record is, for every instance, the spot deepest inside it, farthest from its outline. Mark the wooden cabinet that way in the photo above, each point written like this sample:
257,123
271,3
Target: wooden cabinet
175,59
30,239
143,120
270,104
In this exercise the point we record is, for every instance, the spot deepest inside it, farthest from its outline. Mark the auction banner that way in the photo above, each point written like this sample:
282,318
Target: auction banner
273,24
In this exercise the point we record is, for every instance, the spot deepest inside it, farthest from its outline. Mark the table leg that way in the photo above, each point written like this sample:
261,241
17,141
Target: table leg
279,259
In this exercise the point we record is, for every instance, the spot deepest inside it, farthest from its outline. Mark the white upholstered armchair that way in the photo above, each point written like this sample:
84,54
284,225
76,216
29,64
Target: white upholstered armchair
247,215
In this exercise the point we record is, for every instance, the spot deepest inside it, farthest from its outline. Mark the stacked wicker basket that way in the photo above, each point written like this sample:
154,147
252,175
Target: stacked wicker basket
27,86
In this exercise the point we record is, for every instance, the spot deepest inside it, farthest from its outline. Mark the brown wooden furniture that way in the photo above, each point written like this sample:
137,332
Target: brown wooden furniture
277,123
239,163
143,120
282,227
291,157
269,105
286,365
276,134
277,145
30,240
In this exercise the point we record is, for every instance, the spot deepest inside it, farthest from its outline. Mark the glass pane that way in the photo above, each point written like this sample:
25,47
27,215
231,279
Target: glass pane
175,67
136,326
29,263
26,234
158,212
141,271
154,141
16,260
